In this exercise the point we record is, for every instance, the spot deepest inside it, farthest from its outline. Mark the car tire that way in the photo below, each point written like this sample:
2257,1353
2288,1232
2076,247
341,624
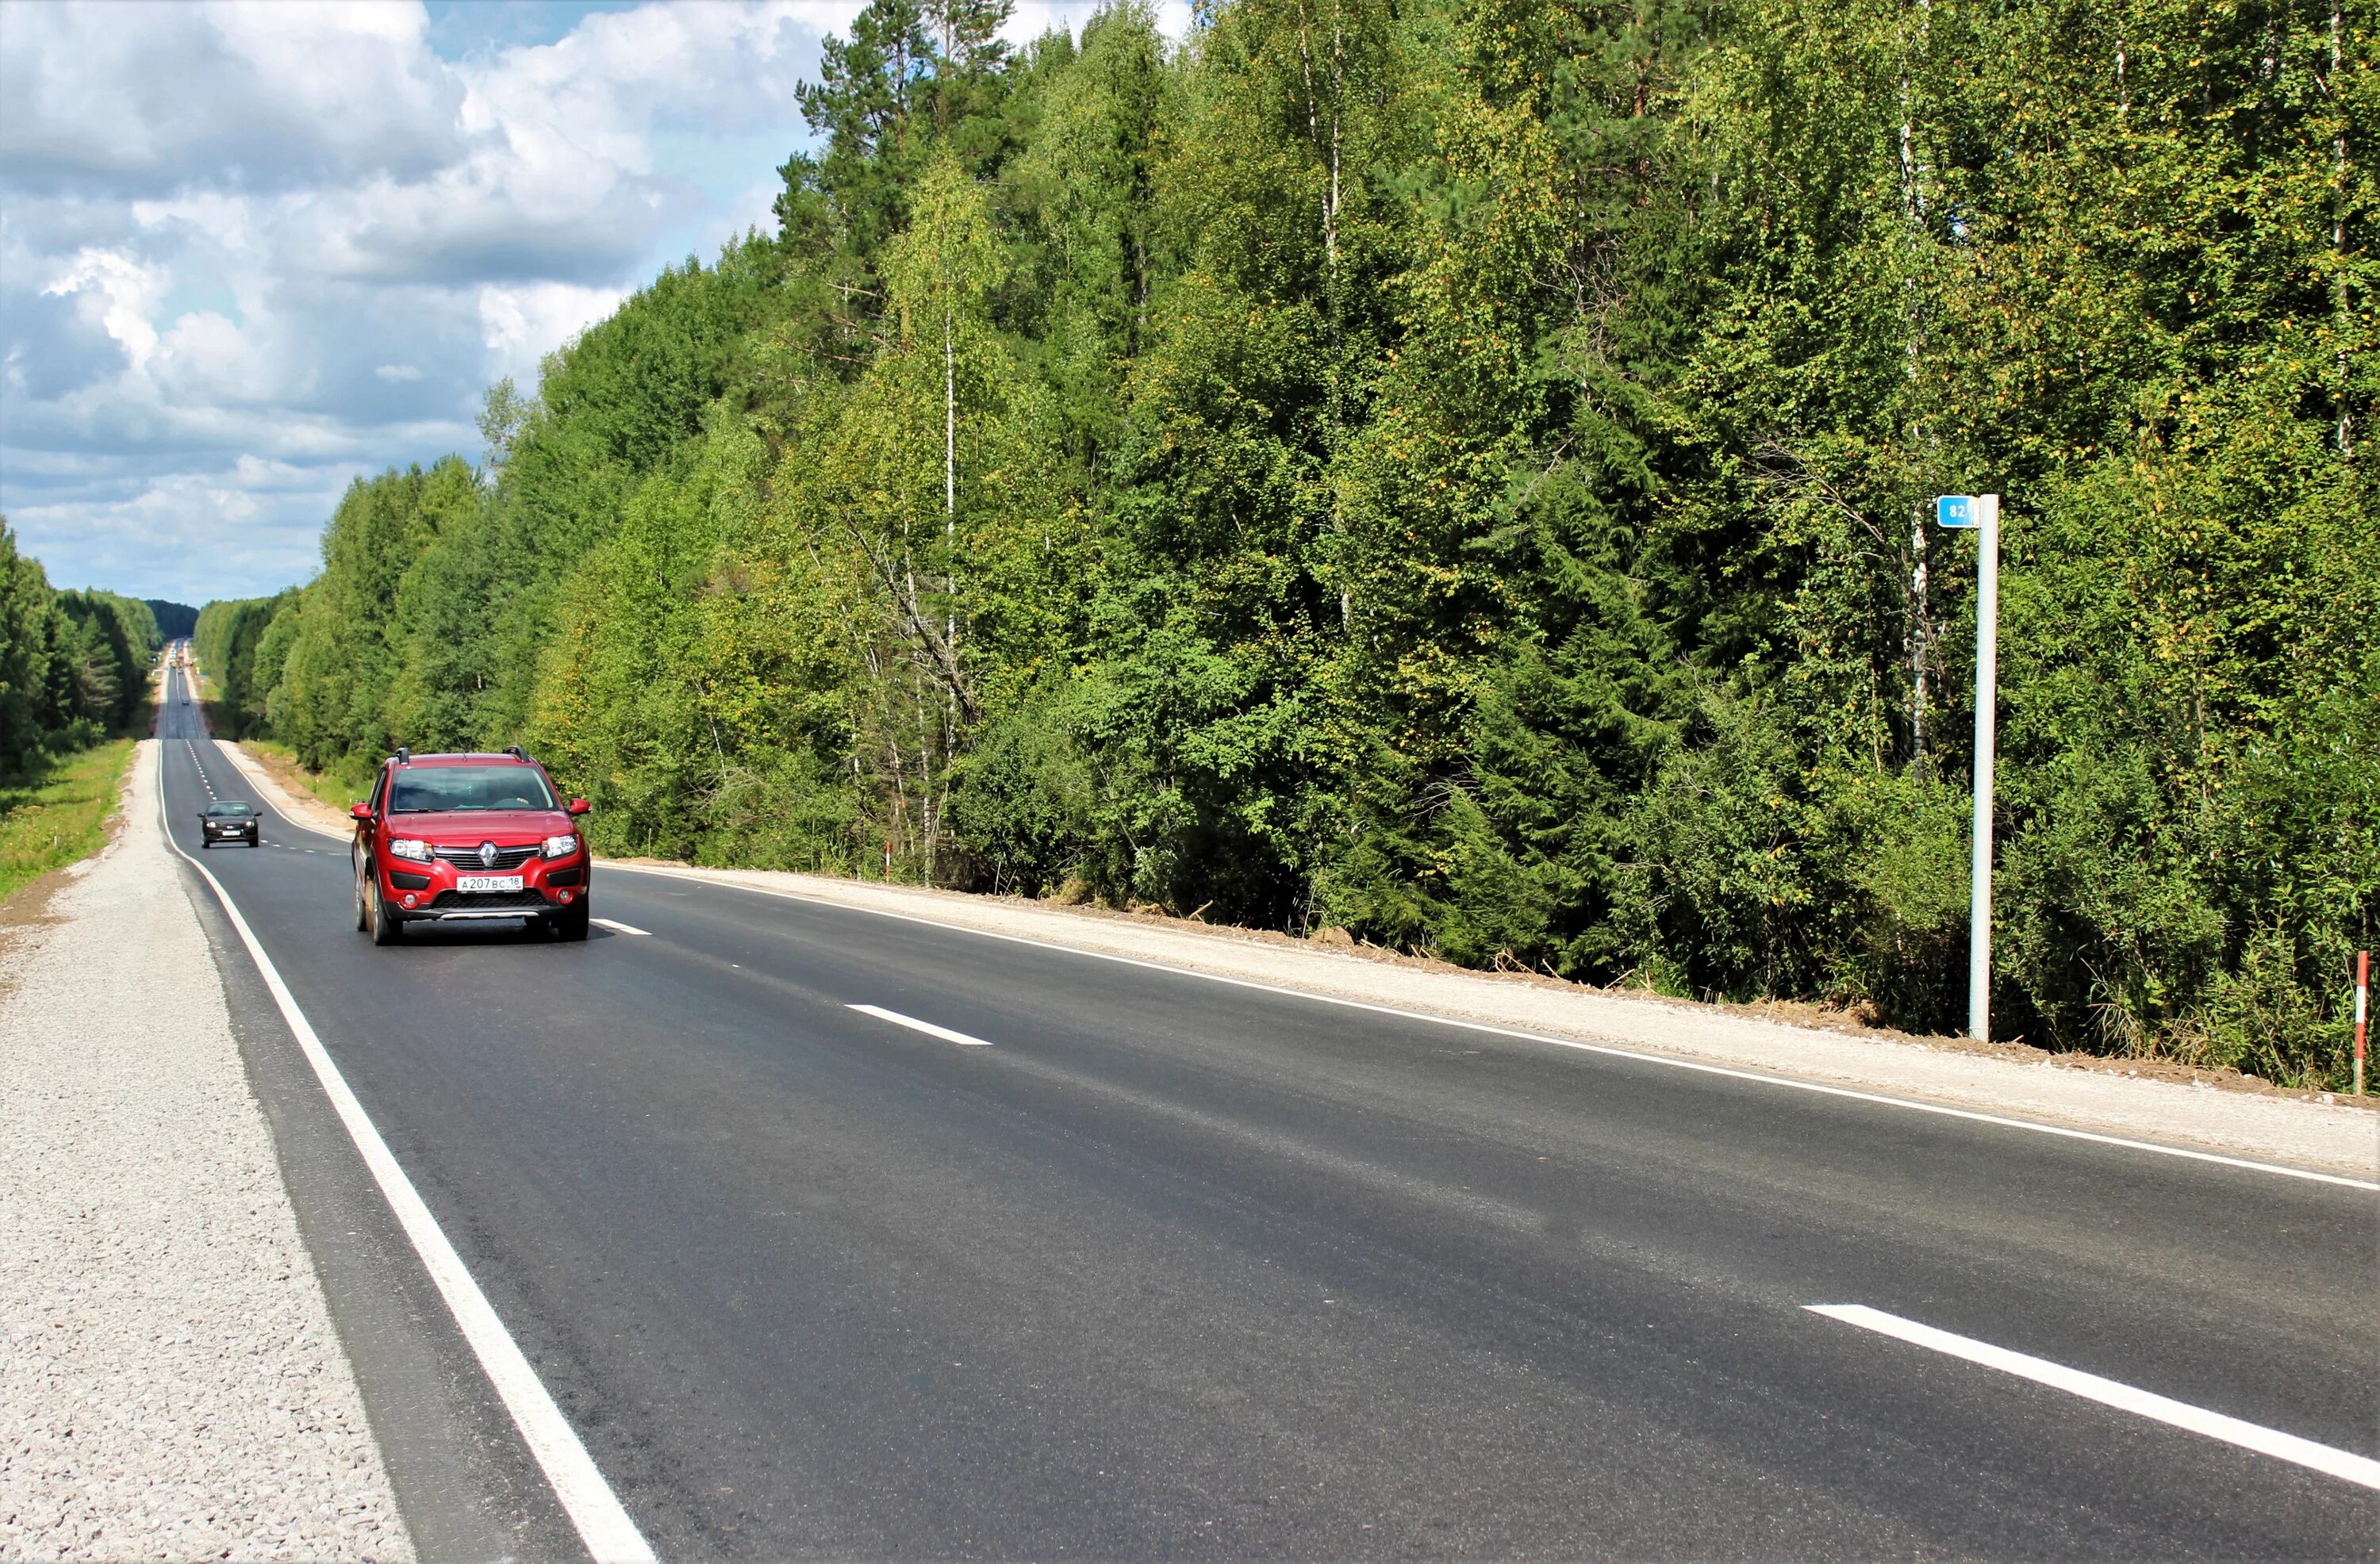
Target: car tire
363,914
570,923
386,929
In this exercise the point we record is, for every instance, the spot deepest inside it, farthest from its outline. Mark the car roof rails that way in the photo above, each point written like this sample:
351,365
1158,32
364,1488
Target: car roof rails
514,750
404,756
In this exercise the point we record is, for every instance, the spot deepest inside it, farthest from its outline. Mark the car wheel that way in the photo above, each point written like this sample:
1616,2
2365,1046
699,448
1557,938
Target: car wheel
570,923
385,928
363,914
205,843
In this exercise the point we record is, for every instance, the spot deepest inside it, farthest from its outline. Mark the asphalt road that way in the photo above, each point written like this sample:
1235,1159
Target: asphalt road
1179,1269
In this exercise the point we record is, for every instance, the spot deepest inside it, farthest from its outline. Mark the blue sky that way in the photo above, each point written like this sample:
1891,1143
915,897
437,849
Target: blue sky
249,251
462,27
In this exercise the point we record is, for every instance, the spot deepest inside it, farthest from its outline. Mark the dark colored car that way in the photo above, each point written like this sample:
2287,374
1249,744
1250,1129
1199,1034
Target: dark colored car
459,838
229,821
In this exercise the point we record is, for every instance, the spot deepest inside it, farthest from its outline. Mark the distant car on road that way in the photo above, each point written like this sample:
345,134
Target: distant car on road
451,838
229,821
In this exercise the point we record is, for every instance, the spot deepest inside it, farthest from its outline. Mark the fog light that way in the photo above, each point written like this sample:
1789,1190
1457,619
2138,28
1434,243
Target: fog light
565,897
410,899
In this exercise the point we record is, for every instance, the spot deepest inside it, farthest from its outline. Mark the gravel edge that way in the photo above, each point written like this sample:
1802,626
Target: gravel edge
171,1385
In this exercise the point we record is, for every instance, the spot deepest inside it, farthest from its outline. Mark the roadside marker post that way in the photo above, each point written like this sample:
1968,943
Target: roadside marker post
2362,1006
1981,513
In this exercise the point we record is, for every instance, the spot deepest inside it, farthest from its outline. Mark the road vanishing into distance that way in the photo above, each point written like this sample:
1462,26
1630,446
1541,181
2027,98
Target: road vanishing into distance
1168,1267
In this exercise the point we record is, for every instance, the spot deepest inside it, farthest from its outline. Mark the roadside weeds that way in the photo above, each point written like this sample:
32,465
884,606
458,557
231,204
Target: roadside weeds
61,816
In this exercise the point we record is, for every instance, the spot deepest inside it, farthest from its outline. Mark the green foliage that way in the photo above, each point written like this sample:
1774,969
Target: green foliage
74,666
1458,470
57,812
25,702
174,621
340,680
226,639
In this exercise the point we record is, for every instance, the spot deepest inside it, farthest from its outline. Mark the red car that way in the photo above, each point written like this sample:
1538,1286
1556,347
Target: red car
451,838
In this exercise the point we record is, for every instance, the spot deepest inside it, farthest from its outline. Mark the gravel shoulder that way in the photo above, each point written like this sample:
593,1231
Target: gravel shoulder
171,1385
2103,1097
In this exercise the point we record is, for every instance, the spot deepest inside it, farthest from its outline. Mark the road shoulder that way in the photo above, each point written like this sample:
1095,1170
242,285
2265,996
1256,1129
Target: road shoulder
176,1387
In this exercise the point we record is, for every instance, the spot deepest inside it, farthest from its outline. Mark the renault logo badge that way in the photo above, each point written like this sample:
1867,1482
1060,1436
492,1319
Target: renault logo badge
487,854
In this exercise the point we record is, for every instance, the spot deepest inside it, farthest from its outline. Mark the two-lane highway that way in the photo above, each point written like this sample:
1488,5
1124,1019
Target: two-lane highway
1040,1254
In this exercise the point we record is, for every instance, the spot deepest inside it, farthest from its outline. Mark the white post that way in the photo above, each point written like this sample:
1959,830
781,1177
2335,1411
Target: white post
1987,646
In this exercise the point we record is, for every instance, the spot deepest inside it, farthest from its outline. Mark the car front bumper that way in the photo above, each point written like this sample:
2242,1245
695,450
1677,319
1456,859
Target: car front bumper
550,887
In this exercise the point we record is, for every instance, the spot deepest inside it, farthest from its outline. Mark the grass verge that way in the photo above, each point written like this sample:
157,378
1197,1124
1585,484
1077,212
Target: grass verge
59,813
334,788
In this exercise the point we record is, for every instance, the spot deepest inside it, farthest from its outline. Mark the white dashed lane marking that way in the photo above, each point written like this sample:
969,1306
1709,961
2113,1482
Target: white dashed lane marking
913,1025
2346,1465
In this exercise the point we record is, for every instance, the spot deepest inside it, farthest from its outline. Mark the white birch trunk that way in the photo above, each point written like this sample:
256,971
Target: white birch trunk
2338,238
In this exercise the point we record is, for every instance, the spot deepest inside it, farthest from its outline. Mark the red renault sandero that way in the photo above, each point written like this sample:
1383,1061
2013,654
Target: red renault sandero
455,838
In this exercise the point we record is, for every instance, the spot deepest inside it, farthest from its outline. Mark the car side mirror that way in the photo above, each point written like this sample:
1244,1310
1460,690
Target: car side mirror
361,811
580,805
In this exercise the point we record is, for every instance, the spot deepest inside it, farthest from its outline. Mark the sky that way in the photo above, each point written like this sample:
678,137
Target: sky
249,251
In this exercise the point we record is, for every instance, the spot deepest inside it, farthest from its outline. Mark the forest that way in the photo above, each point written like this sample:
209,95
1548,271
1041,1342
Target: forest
74,665
175,621
1460,472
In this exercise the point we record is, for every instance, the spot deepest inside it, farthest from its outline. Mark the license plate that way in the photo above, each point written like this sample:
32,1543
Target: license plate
471,882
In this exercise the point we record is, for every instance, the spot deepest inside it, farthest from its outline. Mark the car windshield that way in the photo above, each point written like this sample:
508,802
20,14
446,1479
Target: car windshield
425,790
219,810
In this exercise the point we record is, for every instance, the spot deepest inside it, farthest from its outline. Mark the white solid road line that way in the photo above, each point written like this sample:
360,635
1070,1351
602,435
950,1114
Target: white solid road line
928,1027
602,1523
1608,1050
618,928
2344,1464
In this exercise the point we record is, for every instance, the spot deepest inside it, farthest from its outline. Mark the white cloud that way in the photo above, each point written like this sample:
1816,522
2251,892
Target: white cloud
226,528
251,250
118,292
206,358
139,97
524,324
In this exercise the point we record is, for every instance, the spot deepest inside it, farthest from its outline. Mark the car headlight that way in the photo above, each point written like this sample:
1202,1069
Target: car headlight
561,846
403,847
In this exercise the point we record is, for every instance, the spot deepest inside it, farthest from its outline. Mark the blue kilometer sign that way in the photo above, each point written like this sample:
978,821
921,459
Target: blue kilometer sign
1956,510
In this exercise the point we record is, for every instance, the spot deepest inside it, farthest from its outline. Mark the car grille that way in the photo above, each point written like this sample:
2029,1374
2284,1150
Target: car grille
457,901
467,859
